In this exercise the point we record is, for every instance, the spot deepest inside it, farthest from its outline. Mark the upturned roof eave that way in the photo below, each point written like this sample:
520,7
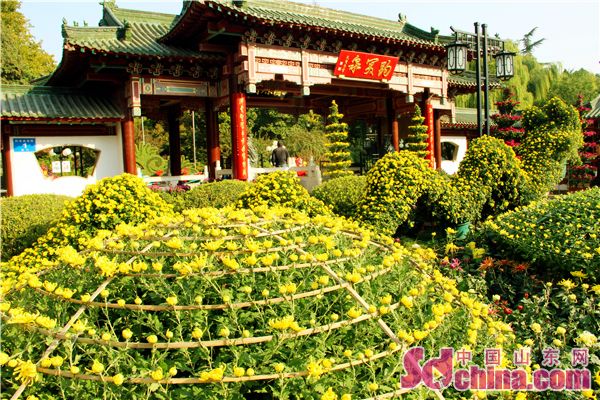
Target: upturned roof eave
227,10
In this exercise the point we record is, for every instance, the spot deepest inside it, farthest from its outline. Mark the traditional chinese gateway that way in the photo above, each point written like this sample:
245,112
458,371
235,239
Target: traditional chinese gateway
219,55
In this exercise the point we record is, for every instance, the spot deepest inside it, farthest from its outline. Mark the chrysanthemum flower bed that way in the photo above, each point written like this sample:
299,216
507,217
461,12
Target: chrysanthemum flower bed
231,304
561,235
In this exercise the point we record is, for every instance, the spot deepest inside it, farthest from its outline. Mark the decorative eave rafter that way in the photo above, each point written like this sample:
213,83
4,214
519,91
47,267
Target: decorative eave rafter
388,33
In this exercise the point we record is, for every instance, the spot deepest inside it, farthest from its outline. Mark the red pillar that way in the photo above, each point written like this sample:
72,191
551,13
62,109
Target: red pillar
212,139
239,136
128,133
174,141
437,140
6,160
394,129
430,132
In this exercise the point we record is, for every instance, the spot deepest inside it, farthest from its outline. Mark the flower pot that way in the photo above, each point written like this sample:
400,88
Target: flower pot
462,230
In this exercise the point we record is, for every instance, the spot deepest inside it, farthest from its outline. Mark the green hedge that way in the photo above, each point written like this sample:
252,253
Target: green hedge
216,194
559,236
342,194
26,218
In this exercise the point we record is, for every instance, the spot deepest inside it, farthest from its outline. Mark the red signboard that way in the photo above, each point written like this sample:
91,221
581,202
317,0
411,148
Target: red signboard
353,64
429,123
240,136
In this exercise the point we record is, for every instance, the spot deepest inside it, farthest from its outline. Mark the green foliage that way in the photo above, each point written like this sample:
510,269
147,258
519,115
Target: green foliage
342,194
528,44
490,179
22,57
281,188
394,185
544,309
112,201
338,156
307,144
104,205
215,194
552,137
26,218
225,135
530,84
149,160
452,200
574,83
493,168
559,235
417,135
270,124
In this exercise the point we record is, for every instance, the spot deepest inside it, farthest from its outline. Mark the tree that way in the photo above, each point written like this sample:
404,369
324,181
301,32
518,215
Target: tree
530,85
528,43
416,141
571,84
337,154
23,59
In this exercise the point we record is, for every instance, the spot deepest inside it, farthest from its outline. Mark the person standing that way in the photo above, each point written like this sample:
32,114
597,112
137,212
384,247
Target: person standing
280,155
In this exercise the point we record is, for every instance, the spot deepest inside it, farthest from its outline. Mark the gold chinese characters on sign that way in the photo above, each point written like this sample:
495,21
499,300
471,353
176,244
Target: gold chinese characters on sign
353,64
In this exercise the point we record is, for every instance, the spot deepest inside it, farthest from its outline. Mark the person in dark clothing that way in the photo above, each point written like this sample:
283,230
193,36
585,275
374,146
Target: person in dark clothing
280,155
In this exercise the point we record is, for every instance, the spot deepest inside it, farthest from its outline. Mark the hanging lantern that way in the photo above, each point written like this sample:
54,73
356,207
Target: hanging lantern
504,65
457,57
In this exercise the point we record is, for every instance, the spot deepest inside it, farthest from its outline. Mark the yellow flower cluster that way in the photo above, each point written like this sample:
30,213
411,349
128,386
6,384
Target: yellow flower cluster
285,323
214,375
281,188
561,233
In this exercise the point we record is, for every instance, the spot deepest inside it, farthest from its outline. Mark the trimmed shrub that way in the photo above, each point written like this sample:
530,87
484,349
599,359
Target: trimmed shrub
452,200
215,194
281,188
342,194
491,167
26,218
417,136
394,185
552,137
338,155
121,199
559,235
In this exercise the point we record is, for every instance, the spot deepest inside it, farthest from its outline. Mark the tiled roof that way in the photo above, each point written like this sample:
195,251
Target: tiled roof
595,109
22,102
128,32
469,79
298,14
466,118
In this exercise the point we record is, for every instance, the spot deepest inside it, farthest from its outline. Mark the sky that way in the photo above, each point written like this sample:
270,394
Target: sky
571,29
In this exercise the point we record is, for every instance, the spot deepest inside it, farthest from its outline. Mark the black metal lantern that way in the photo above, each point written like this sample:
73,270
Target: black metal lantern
505,65
457,57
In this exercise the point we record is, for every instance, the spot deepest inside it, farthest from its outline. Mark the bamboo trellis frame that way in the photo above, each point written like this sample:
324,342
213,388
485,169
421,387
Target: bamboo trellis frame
324,265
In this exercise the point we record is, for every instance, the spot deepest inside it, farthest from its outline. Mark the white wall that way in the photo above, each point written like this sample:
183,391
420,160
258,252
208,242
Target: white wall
451,167
27,176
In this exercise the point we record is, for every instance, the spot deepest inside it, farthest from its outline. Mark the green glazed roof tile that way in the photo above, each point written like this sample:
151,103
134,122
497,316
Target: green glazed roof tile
287,12
122,14
44,102
141,39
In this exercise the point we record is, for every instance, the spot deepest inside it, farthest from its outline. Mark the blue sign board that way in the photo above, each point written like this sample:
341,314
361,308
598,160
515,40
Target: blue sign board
24,145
